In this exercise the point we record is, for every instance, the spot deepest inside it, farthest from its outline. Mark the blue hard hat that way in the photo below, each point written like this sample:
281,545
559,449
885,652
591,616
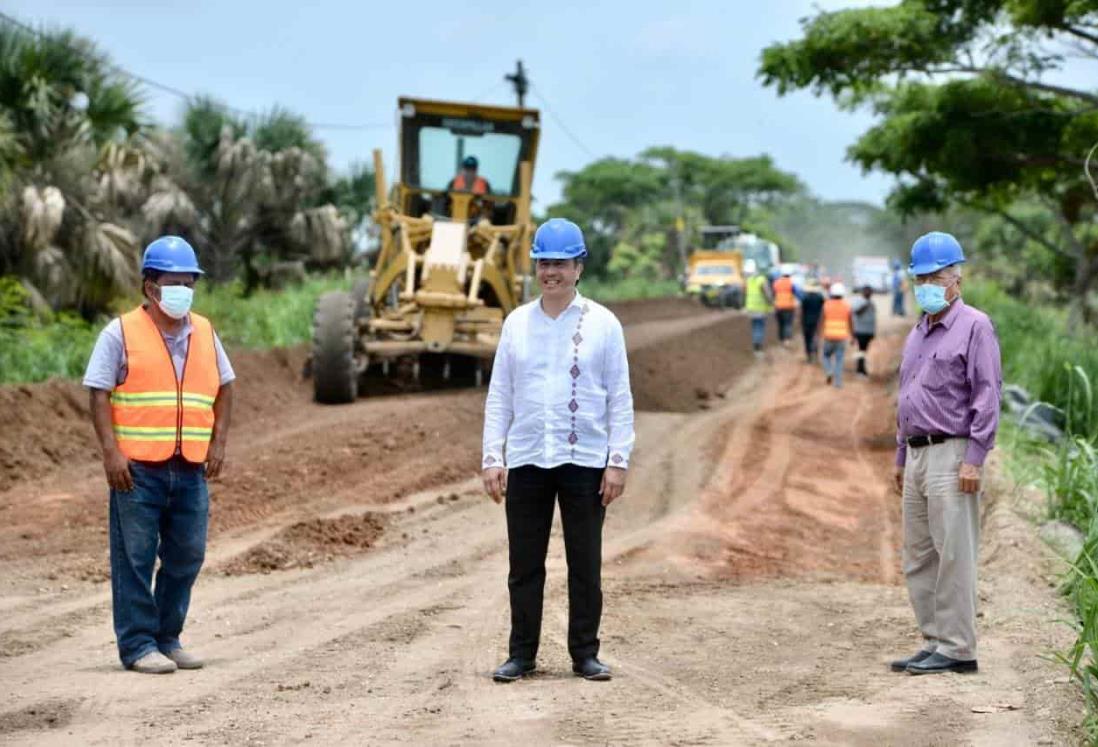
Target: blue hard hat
933,251
558,238
170,254
470,162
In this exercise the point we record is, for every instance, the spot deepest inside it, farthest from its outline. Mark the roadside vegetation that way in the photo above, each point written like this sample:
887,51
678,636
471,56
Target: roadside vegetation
57,345
1061,370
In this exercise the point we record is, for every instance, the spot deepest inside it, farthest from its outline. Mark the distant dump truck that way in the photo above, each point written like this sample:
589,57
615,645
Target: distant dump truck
714,271
874,272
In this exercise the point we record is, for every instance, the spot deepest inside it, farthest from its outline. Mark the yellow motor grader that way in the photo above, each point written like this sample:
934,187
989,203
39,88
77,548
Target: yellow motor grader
454,258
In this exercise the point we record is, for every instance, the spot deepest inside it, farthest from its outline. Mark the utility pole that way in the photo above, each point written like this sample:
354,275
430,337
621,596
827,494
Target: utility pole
520,83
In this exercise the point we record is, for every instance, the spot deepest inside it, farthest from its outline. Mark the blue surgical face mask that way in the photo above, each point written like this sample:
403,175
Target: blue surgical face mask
175,300
930,297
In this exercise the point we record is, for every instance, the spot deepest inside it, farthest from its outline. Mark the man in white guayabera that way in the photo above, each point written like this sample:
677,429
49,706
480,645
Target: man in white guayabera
558,426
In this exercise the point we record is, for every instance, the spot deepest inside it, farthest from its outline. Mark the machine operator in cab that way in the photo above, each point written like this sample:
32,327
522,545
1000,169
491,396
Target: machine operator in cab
467,179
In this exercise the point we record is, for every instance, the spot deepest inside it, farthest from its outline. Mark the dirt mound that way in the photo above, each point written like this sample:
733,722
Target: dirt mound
689,371
45,427
644,310
306,543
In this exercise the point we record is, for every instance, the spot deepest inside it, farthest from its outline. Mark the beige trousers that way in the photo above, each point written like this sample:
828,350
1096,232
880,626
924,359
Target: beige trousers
941,543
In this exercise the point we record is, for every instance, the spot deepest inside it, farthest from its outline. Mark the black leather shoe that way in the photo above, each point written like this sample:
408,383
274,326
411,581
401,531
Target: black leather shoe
937,663
591,669
900,665
513,669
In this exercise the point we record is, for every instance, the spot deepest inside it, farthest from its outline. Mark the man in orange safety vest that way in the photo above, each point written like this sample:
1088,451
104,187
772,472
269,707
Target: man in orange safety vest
161,397
785,306
837,331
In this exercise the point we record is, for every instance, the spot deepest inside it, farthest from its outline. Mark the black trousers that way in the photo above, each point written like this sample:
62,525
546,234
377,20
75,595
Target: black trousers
785,324
863,346
810,343
532,493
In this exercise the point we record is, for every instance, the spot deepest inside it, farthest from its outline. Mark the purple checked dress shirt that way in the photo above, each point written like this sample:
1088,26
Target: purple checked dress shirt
950,382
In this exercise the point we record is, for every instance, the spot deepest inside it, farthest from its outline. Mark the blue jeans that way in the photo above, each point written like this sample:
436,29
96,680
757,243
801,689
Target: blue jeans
165,514
898,304
834,349
758,330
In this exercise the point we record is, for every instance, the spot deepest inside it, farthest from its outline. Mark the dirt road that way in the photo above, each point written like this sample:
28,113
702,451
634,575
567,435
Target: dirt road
355,589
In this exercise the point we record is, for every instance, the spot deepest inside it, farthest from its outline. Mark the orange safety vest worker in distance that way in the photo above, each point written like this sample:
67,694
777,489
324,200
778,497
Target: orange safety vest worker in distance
480,185
155,415
783,294
836,320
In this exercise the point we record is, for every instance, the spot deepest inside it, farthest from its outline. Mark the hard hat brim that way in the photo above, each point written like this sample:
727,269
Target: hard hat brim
158,267
558,255
929,268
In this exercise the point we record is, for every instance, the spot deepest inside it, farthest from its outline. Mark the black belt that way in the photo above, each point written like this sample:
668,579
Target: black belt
917,442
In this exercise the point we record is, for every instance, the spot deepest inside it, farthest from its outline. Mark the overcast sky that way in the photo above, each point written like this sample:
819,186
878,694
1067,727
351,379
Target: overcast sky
620,76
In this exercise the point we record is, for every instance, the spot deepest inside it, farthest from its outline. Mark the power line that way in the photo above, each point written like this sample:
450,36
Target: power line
560,123
191,97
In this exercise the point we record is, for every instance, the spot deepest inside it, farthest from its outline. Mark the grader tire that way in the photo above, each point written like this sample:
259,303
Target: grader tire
335,379
361,297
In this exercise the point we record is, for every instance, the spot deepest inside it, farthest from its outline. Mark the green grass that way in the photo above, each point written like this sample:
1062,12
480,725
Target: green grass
1059,369
266,319
608,291
36,350
1039,355
58,347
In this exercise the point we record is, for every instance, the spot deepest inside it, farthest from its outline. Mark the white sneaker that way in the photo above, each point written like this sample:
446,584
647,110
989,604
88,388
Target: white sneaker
154,662
185,659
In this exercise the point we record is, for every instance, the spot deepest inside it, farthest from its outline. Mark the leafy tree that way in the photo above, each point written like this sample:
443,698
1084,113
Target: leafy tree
968,111
258,185
631,206
66,119
727,189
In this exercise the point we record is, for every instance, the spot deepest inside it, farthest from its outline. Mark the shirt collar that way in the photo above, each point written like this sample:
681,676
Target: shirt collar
947,319
184,331
577,303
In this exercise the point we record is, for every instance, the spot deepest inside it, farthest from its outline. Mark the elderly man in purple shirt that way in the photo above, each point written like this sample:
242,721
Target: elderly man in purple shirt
948,412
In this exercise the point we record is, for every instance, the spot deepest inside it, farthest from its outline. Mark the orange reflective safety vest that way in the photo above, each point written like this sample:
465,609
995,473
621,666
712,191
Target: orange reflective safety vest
783,294
480,185
836,319
154,414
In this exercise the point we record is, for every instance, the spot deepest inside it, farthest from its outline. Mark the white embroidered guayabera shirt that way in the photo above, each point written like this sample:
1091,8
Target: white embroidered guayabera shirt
560,390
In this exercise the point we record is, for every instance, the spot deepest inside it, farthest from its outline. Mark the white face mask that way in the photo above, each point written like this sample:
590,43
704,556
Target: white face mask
175,300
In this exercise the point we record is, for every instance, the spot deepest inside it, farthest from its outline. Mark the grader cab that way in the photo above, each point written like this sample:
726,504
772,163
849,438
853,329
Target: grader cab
454,255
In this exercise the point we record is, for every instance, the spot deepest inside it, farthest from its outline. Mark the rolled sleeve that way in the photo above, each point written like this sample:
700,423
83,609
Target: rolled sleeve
619,401
499,407
986,377
224,367
107,359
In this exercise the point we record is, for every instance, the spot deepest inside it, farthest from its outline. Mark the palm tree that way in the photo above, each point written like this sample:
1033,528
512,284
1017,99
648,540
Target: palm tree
61,105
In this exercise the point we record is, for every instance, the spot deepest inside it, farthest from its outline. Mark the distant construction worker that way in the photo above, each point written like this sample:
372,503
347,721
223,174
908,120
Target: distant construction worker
899,289
948,414
467,179
757,303
865,326
558,426
812,303
785,306
161,399
837,333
